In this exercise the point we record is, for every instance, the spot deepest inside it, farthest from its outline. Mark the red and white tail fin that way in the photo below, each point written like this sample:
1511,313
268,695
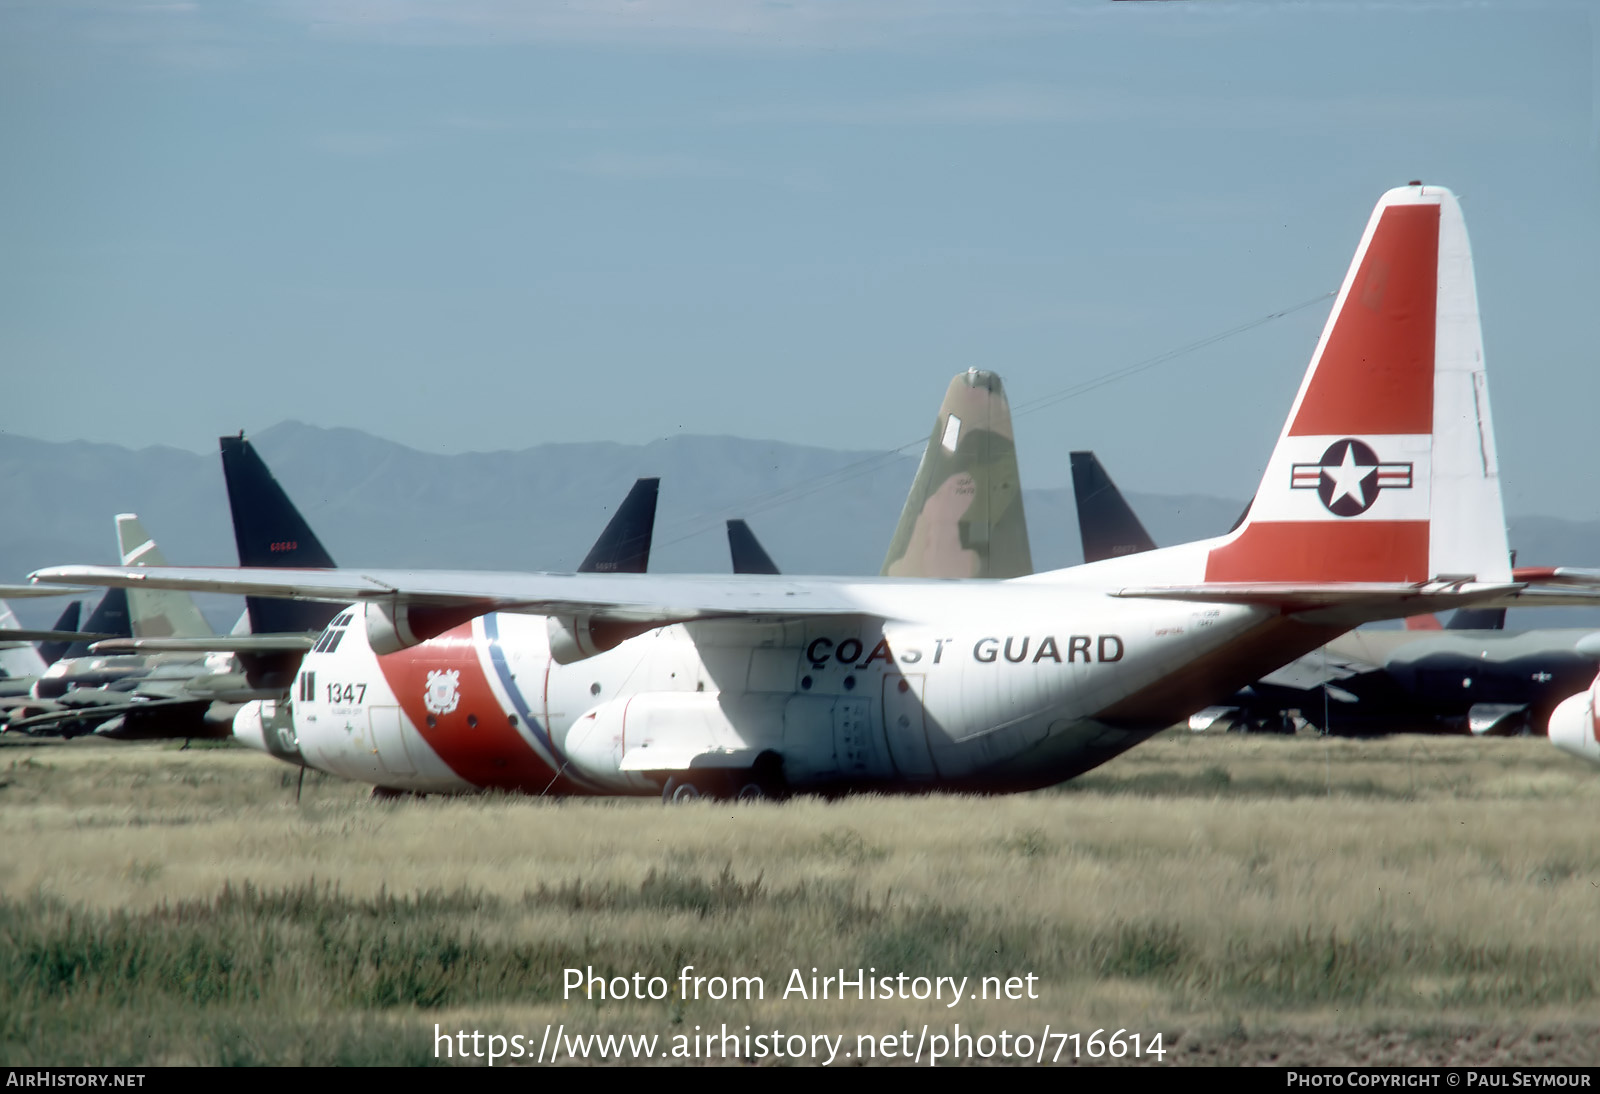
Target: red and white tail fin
1385,470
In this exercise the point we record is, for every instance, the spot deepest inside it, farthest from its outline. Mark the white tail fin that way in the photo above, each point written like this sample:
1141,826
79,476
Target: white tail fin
1385,470
155,613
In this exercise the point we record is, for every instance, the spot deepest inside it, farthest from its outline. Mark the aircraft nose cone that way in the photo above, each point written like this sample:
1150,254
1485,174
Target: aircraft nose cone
1572,727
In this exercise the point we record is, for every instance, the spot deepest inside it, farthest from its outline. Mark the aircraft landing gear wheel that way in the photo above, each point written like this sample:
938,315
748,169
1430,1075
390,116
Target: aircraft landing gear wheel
679,791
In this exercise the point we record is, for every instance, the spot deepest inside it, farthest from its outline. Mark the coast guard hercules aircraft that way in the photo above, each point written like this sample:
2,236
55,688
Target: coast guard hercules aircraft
1380,500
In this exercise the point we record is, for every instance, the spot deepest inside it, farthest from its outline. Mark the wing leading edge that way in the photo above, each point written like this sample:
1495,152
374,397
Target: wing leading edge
635,598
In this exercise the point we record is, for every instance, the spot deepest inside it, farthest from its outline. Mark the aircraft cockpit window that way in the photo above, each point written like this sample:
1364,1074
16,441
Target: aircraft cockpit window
329,641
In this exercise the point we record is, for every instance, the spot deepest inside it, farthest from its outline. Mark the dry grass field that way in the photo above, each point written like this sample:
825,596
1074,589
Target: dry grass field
1251,899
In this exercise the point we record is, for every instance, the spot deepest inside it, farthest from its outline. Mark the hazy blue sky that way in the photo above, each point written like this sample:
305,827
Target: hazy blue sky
478,225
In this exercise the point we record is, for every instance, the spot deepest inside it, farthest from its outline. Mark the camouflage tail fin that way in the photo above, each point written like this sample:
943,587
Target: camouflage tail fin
964,517
268,530
155,613
1105,520
624,544
749,557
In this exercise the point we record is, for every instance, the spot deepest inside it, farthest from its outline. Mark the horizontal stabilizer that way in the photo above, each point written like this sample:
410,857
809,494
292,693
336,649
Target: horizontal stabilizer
1558,575
1350,602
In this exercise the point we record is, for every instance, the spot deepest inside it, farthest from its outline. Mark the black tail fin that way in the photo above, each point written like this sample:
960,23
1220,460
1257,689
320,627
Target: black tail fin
1106,523
269,531
749,557
52,651
110,616
1477,619
624,546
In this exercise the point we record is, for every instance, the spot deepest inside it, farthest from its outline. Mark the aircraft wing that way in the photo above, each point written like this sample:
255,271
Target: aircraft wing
21,592
222,643
1558,575
100,712
635,598
96,714
10,635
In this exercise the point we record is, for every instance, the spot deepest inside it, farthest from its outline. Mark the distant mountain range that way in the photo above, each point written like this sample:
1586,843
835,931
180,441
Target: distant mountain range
378,503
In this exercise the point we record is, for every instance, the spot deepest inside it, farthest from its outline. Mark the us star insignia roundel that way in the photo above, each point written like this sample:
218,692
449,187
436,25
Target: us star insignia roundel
443,691
1349,477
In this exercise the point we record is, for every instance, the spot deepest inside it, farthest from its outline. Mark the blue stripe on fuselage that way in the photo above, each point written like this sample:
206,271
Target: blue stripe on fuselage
497,655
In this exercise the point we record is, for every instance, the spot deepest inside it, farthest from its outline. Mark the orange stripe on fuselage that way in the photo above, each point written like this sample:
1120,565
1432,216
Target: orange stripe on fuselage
1376,371
1316,551
488,754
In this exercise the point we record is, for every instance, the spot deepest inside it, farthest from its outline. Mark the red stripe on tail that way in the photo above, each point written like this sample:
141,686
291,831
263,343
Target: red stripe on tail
1362,550
1376,371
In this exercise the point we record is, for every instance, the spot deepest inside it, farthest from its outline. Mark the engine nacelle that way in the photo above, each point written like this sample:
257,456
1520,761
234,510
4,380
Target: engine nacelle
1575,724
393,627
574,637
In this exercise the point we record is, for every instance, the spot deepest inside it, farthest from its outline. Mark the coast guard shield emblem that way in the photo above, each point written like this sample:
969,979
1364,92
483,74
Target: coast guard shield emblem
443,691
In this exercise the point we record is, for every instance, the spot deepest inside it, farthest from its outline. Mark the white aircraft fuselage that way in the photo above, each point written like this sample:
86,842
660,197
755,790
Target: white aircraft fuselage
1380,500
976,685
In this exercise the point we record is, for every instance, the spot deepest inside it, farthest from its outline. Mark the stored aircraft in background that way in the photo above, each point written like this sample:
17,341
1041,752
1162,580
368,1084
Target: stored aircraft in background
1468,676
1575,724
25,654
1381,500
106,686
172,677
748,556
963,516
1107,525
